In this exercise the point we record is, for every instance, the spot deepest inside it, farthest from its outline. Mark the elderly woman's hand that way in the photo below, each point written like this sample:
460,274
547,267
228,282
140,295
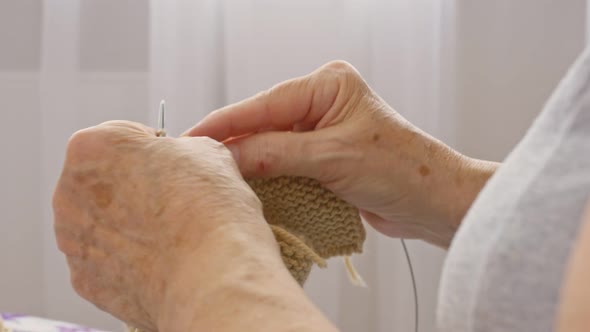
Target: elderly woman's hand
150,224
331,126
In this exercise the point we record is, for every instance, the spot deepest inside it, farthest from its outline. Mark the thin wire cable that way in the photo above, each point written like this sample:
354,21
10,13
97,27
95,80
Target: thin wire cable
413,284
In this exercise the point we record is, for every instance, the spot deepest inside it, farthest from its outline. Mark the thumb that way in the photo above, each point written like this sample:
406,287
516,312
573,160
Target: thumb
273,154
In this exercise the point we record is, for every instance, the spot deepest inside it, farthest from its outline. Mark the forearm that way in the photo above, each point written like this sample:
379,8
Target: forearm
243,287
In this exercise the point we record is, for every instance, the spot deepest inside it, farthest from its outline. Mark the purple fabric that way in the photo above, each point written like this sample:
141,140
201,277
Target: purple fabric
8,316
74,329
25,323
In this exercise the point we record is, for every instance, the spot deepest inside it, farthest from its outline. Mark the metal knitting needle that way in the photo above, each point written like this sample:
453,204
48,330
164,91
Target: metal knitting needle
161,132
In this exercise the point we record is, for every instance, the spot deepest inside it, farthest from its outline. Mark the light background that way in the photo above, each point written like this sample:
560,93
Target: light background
473,73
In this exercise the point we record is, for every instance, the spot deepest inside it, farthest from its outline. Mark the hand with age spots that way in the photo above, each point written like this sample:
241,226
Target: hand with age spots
148,223
330,126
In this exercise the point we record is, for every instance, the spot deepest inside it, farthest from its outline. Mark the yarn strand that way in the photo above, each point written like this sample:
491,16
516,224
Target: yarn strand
299,244
354,277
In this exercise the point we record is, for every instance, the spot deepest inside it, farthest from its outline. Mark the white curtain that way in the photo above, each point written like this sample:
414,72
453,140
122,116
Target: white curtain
68,64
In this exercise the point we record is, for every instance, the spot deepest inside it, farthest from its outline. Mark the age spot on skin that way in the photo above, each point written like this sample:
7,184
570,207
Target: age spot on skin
85,176
376,137
103,194
424,170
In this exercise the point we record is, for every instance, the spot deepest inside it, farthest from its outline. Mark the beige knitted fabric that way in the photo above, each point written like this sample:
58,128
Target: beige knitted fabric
309,222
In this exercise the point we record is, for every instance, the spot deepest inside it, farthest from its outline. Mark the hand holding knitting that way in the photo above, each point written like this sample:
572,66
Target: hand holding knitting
330,126
138,218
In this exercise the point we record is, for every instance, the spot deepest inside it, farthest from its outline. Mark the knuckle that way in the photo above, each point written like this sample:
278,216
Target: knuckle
266,97
348,78
83,145
66,243
263,95
80,284
342,68
60,239
63,246
56,200
124,128
118,123
340,65
80,140
68,246
335,157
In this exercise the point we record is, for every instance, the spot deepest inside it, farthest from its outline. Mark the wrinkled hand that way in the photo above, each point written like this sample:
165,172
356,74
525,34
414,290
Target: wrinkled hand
331,126
134,212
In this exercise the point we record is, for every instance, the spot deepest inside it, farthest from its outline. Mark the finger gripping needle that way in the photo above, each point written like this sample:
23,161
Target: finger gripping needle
161,132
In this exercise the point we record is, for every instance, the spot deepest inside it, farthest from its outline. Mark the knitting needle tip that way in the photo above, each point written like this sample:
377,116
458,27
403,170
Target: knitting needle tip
161,119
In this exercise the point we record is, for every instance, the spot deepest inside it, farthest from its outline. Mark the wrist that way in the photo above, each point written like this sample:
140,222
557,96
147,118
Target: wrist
430,187
448,191
252,295
460,186
199,287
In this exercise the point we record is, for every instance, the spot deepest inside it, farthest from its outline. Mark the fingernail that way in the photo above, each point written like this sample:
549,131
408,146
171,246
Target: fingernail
235,151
